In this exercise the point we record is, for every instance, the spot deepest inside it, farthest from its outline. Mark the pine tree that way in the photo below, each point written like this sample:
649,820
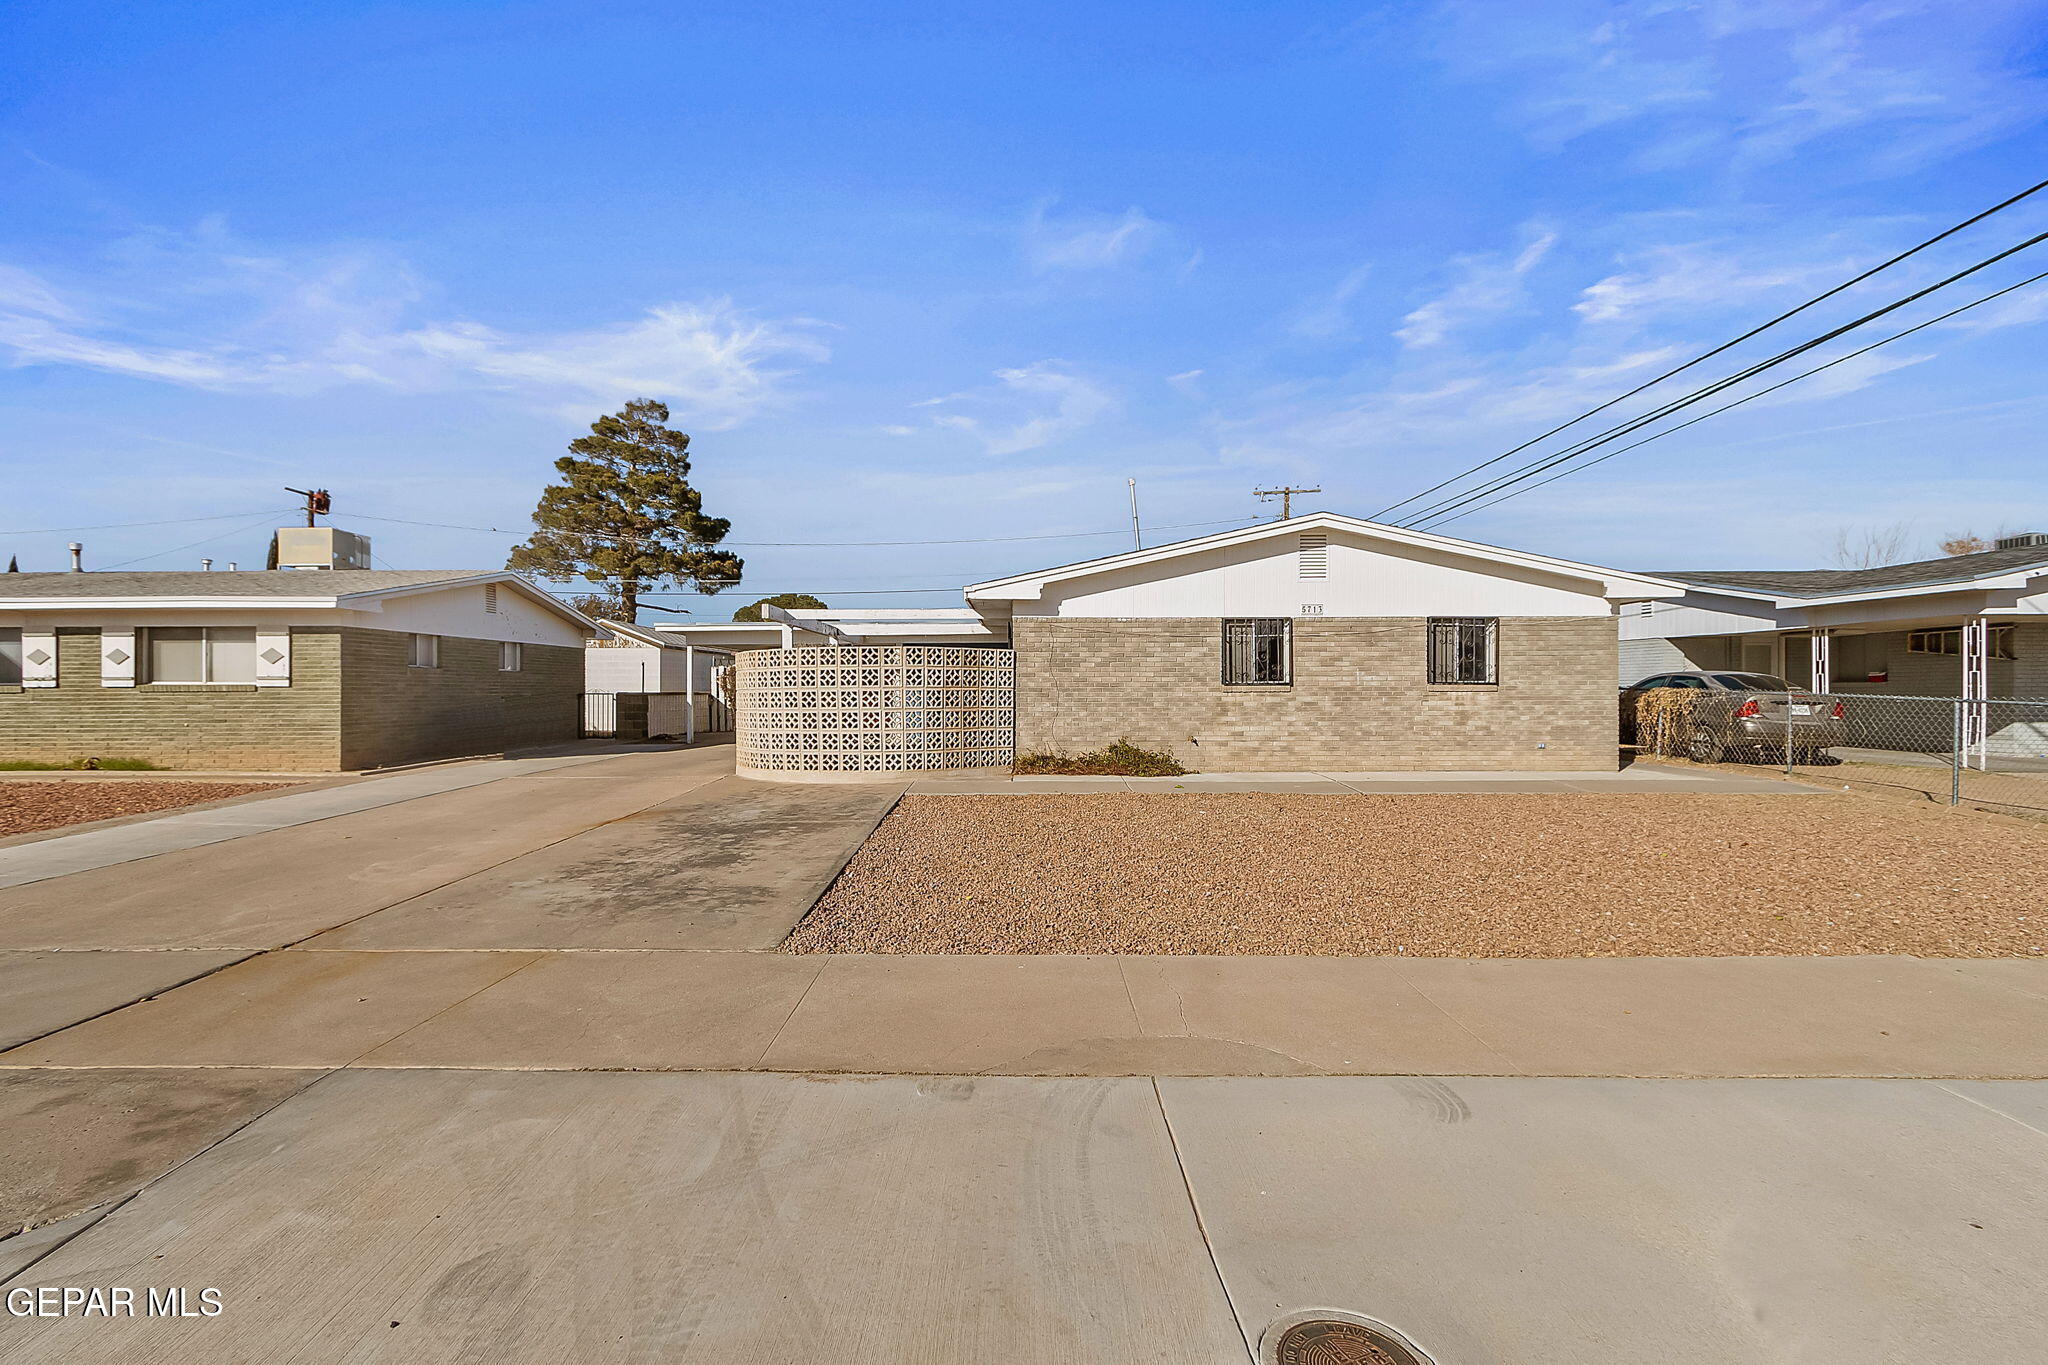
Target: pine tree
625,515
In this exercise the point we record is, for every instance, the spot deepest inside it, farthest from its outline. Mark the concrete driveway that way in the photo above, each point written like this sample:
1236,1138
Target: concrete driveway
499,1064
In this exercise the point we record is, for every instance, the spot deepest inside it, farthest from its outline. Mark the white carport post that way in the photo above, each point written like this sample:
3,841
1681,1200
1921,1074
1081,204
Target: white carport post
1976,687
689,694
1822,652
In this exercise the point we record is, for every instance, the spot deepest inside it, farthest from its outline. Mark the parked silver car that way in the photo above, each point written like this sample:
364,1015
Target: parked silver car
1746,714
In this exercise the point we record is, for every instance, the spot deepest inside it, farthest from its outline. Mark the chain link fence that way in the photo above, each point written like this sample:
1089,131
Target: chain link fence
1991,752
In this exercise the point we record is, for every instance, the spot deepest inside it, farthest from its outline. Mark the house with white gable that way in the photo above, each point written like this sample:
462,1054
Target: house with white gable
312,666
1321,642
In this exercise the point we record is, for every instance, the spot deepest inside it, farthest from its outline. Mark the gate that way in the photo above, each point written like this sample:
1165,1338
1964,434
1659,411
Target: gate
600,714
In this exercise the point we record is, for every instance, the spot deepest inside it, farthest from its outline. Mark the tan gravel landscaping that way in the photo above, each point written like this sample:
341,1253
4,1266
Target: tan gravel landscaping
1567,875
26,807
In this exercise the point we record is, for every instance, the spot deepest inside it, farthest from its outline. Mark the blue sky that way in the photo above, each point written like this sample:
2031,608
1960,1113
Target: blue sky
935,272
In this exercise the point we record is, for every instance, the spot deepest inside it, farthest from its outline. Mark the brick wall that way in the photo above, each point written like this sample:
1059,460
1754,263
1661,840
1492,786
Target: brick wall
264,729
1360,700
1937,675
394,713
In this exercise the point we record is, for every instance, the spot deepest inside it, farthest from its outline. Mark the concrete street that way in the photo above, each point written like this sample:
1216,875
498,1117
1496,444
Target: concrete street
496,1062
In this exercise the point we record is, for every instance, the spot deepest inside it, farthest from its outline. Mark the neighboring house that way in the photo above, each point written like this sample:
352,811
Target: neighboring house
1321,642
284,669
687,693
630,658
1964,625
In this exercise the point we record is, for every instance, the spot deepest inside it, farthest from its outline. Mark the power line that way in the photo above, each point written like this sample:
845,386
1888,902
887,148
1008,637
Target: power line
810,544
143,559
122,525
1540,464
1516,492
1709,355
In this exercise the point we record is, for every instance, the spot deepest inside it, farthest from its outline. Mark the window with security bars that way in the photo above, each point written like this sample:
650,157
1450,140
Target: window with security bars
1464,649
1257,652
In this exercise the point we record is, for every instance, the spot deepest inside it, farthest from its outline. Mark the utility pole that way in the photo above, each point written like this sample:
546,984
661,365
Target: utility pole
1137,537
1286,496
317,502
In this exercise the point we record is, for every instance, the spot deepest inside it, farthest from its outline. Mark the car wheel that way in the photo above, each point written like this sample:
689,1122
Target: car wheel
1706,747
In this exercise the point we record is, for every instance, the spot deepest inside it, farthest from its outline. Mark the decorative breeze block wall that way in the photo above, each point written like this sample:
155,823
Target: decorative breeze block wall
873,709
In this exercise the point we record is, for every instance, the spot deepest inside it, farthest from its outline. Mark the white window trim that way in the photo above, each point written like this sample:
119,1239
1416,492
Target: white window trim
516,652
22,670
205,658
412,650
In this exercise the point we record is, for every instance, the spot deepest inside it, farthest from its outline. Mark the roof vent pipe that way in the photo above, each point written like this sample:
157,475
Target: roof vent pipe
77,557
206,566
231,566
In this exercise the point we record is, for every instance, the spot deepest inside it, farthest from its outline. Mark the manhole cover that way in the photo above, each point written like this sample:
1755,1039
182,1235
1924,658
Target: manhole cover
1327,1336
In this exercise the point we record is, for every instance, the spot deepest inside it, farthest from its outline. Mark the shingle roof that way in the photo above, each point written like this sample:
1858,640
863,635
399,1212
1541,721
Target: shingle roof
1832,582
241,583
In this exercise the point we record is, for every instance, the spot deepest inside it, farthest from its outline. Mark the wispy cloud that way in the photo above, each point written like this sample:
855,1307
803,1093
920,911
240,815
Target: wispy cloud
201,311
1331,316
1027,407
1088,241
1751,82
1681,279
1487,287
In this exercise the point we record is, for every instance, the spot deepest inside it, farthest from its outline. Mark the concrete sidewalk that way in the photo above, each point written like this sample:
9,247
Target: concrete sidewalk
460,1216
1083,1016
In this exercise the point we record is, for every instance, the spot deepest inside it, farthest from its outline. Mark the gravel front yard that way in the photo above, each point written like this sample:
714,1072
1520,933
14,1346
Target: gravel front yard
1564,875
29,806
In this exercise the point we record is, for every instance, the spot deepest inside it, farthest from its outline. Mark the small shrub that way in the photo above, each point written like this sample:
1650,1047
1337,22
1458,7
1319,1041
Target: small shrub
1121,759
75,765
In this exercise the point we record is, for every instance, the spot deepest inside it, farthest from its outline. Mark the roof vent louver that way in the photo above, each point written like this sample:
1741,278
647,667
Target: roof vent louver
1315,554
2025,541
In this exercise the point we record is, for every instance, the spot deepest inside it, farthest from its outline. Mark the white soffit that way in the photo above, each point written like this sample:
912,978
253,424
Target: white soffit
1613,584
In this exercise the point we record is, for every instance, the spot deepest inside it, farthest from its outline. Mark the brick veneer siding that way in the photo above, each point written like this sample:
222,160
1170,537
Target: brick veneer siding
262,729
353,703
394,713
1929,675
1360,699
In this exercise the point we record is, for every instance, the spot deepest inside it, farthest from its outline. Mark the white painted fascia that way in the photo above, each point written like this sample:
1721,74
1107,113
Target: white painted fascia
789,619
368,600
539,596
966,629
171,604
645,635
896,614
1992,584
1615,585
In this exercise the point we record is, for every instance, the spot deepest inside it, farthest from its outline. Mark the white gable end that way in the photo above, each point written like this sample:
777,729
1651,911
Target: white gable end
1332,574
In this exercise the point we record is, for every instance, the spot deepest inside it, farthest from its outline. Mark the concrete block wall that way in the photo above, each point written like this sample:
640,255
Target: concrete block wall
1938,675
1360,699
393,713
262,729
